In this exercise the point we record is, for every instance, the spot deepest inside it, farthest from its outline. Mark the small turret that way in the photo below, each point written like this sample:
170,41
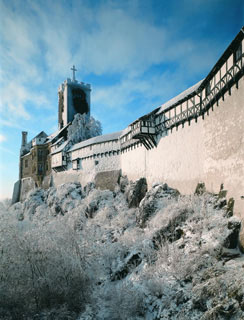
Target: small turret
24,142
24,138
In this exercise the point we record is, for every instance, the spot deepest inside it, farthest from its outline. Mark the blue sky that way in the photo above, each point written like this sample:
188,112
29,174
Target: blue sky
136,54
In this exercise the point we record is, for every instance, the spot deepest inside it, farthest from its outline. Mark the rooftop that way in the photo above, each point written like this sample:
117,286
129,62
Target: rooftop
180,97
98,139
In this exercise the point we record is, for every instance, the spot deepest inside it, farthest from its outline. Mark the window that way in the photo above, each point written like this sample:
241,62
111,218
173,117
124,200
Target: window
26,163
208,89
238,53
76,164
96,162
39,155
39,168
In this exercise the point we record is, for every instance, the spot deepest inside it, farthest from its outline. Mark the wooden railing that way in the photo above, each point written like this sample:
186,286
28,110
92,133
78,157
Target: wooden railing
169,118
227,72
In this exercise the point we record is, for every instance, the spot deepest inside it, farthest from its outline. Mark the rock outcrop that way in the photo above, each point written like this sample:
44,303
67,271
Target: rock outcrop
241,238
133,254
156,198
135,192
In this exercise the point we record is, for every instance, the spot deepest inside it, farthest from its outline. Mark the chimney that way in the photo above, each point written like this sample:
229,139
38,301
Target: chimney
24,139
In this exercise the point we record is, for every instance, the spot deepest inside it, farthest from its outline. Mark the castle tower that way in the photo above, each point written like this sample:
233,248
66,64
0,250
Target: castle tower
74,97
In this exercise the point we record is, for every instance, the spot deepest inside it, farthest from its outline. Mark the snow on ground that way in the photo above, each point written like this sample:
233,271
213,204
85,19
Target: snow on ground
82,253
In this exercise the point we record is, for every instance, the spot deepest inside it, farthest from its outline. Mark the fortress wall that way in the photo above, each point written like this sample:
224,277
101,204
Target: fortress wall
107,163
95,149
73,176
211,150
16,192
89,170
27,185
224,146
133,162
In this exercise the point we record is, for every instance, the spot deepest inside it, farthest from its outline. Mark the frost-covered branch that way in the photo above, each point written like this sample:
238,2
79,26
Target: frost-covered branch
83,127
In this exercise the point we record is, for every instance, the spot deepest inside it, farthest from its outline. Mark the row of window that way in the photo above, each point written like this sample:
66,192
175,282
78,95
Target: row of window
101,155
40,167
40,154
144,123
104,144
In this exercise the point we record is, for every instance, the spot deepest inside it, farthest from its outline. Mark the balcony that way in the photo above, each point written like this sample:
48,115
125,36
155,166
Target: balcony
144,130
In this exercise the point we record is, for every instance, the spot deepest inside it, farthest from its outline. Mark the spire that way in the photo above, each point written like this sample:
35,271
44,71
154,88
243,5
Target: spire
73,69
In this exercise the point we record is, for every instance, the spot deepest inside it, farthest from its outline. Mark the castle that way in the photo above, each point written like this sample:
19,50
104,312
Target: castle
196,136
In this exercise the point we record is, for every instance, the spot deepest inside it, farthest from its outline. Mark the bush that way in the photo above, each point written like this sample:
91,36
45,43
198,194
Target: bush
41,267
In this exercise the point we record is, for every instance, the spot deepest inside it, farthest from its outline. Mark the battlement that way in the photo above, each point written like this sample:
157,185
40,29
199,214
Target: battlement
73,82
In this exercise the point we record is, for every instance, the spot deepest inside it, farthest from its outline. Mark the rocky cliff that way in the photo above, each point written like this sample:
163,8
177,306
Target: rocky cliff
83,253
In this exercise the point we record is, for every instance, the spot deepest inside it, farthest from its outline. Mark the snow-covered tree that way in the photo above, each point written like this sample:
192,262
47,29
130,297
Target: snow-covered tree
83,127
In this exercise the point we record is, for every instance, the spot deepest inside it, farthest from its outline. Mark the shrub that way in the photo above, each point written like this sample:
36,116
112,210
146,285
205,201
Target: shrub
41,267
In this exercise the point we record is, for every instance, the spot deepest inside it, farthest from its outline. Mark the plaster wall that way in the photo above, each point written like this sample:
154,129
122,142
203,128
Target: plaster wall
57,159
107,163
211,150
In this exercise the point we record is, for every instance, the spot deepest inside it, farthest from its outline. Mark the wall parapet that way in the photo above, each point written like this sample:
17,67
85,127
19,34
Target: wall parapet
194,102
200,101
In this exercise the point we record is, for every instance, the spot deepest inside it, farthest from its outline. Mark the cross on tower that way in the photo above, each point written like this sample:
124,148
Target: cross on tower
73,69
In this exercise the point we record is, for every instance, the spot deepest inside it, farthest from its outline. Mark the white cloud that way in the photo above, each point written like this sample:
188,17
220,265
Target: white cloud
147,94
101,40
120,43
15,98
4,150
41,43
2,138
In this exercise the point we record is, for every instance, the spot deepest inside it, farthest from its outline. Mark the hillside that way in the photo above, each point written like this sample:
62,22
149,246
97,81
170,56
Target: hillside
82,253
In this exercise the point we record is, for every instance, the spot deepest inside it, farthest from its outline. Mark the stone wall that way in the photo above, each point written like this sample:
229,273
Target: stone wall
107,179
211,150
90,167
16,192
27,185
73,176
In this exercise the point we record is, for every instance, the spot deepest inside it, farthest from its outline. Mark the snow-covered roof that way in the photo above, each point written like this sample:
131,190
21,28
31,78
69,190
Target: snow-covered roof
26,154
58,141
98,139
29,145
125,131
53,135
56,133
60,148
42,133
180,97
